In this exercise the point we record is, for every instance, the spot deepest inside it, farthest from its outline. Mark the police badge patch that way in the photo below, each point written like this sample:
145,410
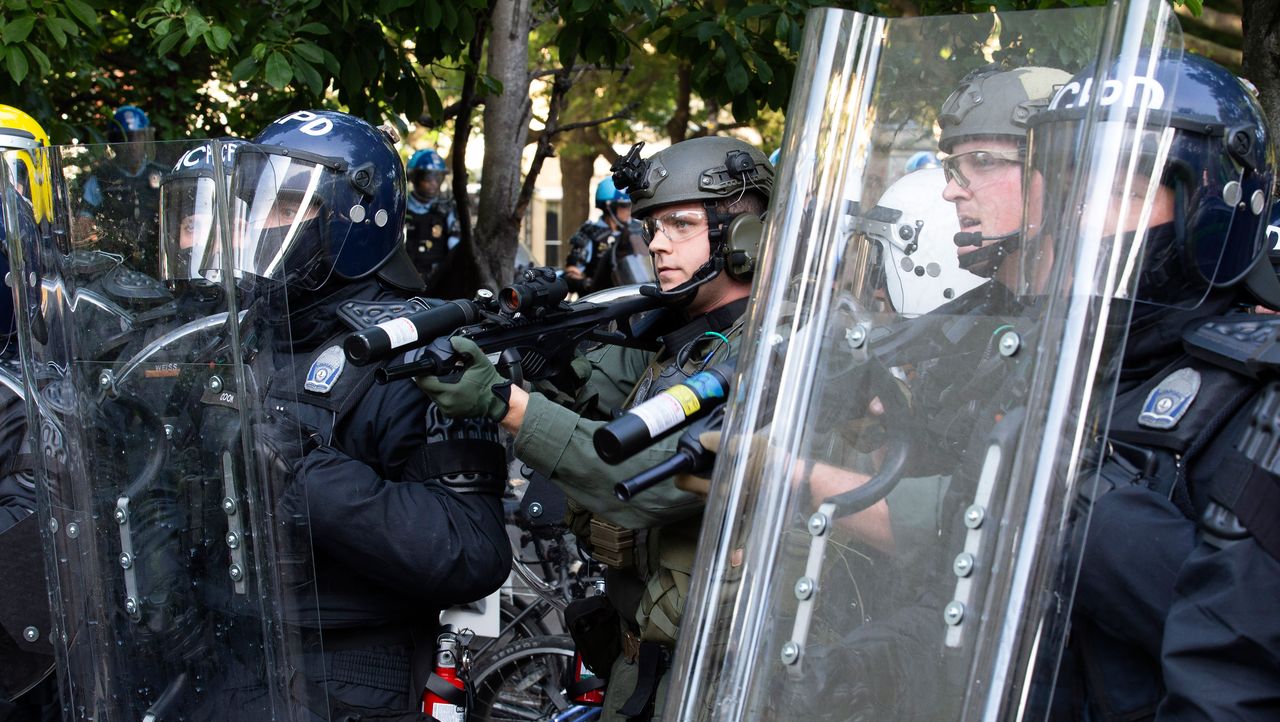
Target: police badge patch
1170,399
325,370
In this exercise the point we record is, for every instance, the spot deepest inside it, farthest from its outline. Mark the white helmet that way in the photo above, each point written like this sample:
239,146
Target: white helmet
916,227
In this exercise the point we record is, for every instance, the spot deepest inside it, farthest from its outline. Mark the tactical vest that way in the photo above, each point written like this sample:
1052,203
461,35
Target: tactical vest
650,568
321,390
427,236
1198,433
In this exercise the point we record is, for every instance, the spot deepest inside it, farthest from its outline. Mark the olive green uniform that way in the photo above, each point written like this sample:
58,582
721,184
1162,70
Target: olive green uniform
648,543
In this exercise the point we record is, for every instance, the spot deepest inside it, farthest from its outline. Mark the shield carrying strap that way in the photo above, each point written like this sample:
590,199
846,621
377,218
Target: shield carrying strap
651,665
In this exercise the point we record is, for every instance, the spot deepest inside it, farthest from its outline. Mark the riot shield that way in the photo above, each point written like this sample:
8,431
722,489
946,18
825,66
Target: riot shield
631,263
170,568
890,529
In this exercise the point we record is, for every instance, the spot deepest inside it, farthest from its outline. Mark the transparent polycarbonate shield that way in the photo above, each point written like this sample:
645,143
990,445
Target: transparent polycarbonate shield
170,569
631,262
890,522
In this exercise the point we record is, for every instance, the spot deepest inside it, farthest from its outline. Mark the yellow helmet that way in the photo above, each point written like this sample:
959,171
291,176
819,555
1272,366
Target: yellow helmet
23,141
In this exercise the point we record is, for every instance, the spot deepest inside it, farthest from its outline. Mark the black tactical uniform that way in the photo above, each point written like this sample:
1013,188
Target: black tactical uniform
25,652
431,232
394,541
1164,506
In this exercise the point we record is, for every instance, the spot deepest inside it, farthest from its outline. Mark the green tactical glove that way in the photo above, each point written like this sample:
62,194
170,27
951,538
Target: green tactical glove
479,392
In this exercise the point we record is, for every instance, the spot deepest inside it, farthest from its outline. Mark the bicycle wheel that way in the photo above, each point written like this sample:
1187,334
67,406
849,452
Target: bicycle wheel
526,680
520,619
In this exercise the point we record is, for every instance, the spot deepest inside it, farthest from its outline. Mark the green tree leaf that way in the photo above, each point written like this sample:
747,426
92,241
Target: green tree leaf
166,44
244,69
221,38
16,31
17,63
304,70
87,16
42,60
195,23
277,70
310,51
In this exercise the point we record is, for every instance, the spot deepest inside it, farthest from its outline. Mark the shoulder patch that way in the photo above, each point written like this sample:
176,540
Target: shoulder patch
1169,400
325,370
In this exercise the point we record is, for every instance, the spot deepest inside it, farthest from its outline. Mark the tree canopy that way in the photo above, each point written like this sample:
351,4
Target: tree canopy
592,72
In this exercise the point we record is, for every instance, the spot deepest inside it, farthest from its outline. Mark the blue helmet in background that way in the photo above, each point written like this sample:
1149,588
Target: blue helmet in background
188,247
609,195
922,159
130,124
321,195
1220,167
426,163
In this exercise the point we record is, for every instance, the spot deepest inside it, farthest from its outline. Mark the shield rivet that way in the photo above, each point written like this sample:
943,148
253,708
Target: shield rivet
790,653
804,588
963,565
973,516
31,634
1009,343
818,524
954,613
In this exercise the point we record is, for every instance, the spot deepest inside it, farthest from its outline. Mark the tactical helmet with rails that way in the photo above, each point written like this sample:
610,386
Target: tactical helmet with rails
323,196
715,171
992,102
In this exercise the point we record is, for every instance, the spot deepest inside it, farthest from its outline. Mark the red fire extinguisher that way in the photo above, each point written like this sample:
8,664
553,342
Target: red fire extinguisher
587,688
445,697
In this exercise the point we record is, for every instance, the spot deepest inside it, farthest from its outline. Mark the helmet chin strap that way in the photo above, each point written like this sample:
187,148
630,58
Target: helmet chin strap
986,261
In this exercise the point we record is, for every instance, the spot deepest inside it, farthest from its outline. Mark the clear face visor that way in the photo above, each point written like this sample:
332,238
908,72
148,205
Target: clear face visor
187,227
28,170
1145,201
280,222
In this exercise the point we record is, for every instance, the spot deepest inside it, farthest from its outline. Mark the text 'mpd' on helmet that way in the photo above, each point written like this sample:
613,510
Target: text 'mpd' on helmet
716,172
889,533
320,194
188,199
1204,184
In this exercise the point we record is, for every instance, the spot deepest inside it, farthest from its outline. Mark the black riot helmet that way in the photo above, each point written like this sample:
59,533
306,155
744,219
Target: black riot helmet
321,195
715,171
1218,161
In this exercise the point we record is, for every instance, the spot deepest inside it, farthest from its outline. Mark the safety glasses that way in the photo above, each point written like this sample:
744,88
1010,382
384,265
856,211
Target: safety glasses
978,165
679,226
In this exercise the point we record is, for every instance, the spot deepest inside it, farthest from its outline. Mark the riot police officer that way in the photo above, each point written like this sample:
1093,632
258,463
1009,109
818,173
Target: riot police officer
27,684
1174,611
400,504
594,249
120,201
700,201
431,223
